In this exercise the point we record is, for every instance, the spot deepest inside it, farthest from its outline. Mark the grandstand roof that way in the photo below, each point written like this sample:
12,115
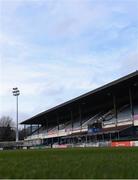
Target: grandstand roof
121,83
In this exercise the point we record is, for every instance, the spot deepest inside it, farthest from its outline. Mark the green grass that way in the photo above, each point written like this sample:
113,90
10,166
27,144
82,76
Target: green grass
70,163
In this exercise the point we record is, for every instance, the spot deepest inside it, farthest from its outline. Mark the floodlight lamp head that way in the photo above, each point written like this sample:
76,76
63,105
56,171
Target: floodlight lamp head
15,88
16,92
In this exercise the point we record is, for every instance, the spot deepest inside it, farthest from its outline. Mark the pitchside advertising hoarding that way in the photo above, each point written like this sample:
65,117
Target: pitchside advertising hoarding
59,146
124,143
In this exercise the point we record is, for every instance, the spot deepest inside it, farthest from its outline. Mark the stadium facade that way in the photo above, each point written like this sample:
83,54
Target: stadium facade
106,114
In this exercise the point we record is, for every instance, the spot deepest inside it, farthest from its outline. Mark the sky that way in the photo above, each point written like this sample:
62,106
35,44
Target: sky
55,50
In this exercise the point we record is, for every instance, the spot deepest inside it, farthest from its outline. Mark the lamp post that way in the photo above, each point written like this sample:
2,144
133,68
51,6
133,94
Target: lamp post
16,93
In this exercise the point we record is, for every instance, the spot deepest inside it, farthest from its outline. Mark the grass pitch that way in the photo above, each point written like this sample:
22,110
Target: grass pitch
70,163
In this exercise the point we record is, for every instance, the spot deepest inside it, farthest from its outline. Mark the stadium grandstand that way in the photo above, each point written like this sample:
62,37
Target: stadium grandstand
105,114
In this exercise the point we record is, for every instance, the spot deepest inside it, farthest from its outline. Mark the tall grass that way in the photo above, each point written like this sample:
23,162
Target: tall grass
70,163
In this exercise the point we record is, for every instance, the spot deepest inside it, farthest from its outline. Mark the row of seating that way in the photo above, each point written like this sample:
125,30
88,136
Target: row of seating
105,118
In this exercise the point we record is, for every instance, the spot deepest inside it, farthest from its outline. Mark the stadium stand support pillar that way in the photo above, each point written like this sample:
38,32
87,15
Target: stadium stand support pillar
110,136
31,129
47,126
103,137
57,117
86,139
115,108
69,140
131,104
38,128
118,135
57,120
89,138
71,114
25,135
52,141
66,141
73,140
95,137
80,116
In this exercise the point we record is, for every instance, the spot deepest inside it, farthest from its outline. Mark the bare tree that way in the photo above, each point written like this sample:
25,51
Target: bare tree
6,121
7,132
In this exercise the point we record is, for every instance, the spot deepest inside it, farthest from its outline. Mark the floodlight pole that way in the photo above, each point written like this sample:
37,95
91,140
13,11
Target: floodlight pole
17,133
16,93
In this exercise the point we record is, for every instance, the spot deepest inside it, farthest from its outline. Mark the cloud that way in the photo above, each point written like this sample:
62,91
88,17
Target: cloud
56,50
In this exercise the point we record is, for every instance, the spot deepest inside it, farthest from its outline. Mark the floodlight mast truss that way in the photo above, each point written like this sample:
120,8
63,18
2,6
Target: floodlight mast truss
16,93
